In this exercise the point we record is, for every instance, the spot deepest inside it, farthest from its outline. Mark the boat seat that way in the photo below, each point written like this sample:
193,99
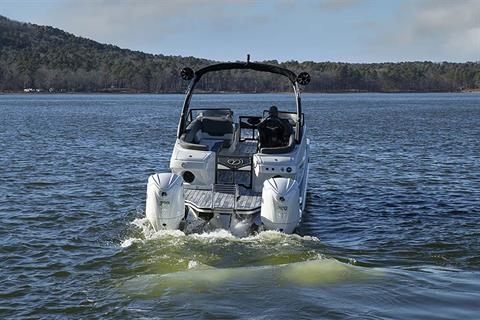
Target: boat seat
280,149
188,139
214,145
276,135
202,131
217,126
191,145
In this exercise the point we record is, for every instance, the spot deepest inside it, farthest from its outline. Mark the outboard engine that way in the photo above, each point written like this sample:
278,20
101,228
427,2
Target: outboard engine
280,204
165,206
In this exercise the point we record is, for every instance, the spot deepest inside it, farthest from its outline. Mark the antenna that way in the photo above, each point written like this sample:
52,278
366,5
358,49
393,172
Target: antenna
248,58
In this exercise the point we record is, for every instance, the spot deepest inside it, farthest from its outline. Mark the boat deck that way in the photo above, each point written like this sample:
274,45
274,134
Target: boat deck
224,199
231,193
243,148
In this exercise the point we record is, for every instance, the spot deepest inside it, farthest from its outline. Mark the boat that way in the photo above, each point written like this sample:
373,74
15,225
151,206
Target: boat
242,173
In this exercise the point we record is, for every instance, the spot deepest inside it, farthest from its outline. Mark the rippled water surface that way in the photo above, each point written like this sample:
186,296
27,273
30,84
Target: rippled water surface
391,230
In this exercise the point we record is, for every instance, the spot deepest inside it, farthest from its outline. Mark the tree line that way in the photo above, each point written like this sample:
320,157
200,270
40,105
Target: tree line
44,57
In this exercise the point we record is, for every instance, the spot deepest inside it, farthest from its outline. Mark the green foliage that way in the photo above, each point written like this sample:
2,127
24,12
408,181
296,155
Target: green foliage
45,57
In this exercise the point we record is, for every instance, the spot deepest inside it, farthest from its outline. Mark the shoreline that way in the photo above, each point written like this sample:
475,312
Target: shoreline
225,92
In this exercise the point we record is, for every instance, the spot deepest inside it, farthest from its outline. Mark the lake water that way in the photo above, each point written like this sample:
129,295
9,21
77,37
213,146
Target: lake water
391,229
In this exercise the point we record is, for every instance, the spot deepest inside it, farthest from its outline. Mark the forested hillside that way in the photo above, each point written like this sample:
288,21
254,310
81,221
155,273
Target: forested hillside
44,57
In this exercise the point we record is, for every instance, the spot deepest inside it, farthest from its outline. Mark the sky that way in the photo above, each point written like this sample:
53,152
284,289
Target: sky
303,30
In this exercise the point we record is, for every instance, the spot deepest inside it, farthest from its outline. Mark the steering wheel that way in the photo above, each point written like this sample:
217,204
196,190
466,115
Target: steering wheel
254,121
272,122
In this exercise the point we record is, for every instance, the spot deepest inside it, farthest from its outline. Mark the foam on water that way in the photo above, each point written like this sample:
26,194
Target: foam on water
147,233
128,242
